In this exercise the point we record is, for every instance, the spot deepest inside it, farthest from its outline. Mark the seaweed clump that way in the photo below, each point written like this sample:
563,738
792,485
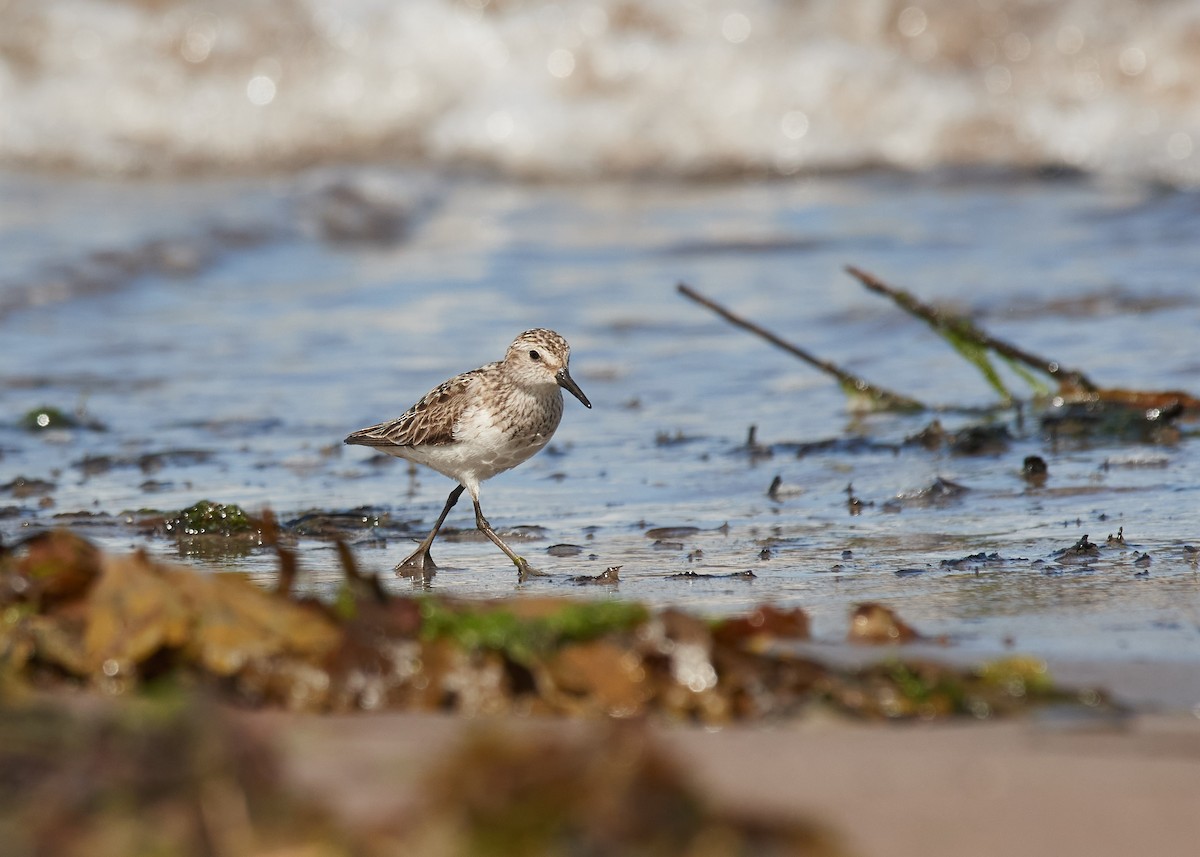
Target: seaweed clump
72,614
207,518
48,417
214,530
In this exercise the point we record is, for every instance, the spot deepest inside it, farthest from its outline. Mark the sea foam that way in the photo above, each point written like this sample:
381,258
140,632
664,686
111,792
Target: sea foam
588,90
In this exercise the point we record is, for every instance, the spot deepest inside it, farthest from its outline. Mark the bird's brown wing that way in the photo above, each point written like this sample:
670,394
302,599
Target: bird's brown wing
430,422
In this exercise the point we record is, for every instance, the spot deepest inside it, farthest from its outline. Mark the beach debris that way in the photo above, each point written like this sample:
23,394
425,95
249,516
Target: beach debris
932,437
356,523
207,518
979,439
699,575
115,621
761,626
971,342
779,490
661,533
1034,470
676,438
1082,551
24,487
976,561
853,503
611,576
671,538
77,616
208,529
1077,406
48,417
755,449
941,492
564,550
875,624
863,394
1073,417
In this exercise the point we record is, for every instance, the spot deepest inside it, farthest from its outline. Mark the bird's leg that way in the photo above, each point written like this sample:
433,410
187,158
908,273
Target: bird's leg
523,567
420,562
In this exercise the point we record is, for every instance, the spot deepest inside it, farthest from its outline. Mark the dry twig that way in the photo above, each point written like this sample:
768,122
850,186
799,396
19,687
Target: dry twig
956,329
854,386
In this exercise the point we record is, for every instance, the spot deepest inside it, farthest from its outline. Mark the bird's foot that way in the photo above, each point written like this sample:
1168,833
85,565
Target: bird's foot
524,569
419,564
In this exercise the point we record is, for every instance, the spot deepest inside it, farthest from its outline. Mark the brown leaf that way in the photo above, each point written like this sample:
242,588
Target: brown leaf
132,613
17,647
756,629
767,685
57,566
474,683
1141,400
874,623
235,622
58,640
600,677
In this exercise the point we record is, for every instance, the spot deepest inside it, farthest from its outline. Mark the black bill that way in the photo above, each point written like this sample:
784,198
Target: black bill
565,381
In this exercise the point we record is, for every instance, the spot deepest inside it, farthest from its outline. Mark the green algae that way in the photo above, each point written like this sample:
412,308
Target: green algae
1001,687
209,518
525,639
47,417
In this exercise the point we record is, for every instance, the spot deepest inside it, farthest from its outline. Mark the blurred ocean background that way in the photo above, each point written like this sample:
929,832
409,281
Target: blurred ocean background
232,233
602,88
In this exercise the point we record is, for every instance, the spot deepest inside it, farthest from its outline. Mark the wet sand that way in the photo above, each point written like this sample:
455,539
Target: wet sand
1047,785
1029,787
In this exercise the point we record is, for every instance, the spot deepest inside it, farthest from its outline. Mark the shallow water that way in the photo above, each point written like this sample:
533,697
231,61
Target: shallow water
228,334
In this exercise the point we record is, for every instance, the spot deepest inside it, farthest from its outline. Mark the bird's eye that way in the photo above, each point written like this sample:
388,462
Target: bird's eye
533,355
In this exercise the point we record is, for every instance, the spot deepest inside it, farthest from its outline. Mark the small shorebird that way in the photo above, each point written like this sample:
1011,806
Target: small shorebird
481,423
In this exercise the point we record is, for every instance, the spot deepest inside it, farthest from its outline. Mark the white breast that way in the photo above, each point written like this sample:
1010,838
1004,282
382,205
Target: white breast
491,443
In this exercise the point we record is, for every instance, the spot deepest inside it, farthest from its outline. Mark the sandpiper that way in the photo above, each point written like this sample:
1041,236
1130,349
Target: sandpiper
481,423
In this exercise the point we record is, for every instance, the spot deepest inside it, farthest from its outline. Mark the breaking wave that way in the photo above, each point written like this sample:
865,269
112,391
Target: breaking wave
586,89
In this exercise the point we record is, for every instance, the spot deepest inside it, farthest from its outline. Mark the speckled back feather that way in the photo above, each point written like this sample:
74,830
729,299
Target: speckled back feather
429,422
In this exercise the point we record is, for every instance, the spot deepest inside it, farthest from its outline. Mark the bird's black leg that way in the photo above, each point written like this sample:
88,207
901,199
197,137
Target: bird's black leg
420,562
523,567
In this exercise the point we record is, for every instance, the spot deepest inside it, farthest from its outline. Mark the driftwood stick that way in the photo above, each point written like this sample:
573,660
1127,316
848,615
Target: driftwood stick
849,382
1069,378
